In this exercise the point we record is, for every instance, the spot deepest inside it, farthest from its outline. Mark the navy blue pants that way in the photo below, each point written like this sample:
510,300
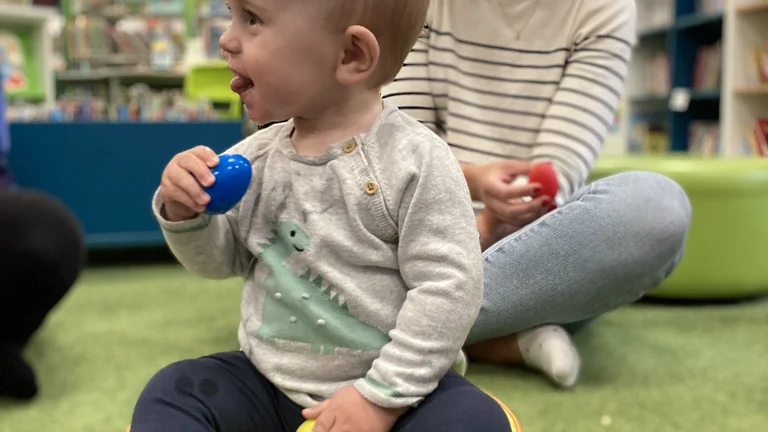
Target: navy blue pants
225,393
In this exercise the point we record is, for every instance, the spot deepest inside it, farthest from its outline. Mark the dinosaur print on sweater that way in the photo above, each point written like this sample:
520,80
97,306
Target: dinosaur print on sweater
299,309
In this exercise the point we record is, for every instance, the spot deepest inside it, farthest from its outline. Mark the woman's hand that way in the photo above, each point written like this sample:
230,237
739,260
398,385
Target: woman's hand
491,229
491,183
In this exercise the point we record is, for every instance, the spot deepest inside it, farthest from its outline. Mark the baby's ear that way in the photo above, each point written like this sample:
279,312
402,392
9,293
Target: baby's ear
360,56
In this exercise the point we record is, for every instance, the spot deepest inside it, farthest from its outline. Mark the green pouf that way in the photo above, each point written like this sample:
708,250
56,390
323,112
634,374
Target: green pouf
726,256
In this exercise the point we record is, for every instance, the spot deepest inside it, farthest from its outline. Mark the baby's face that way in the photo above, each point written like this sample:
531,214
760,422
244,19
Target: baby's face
283,57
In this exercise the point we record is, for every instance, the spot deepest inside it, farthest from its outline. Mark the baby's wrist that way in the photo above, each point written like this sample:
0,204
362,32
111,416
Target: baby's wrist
395,412
384,405
172,214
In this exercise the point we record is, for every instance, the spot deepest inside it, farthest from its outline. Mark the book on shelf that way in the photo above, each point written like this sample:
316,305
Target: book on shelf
654,76
654,14
704,138
652,137
710,6
757,69
707,67
757,138
648,137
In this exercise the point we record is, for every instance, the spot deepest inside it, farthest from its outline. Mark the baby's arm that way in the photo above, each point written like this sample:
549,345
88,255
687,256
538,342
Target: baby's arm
208,245
440,260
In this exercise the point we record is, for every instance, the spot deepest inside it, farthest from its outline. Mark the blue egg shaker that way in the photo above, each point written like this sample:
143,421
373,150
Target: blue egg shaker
233,176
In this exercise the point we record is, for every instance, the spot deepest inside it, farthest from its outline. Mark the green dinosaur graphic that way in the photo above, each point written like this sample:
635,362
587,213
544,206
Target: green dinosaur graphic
299,309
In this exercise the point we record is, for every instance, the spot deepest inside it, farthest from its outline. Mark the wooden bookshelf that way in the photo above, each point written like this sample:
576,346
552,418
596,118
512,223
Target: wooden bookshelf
745,87
761,89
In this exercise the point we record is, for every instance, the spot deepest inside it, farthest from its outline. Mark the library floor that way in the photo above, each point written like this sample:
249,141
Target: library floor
646,367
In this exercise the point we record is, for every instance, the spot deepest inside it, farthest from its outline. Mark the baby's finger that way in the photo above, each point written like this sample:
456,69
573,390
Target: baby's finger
312,413
208,156
197,167
171,192
184,181
325,422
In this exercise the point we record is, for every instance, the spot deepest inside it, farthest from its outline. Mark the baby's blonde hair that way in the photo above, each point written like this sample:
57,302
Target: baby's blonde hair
396,25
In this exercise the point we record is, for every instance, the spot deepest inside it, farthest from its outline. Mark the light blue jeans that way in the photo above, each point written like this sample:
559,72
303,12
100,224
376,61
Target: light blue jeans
611,243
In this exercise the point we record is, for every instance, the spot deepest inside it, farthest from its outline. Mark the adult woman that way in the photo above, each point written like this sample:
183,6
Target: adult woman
508,83
41,253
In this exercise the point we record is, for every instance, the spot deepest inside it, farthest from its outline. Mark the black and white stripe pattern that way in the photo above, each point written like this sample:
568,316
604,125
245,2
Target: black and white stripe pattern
551,95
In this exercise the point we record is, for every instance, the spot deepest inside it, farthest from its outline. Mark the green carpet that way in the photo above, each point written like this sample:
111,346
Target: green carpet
646,367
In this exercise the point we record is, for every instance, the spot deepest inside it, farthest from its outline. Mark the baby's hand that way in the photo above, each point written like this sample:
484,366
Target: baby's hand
181,188
348,410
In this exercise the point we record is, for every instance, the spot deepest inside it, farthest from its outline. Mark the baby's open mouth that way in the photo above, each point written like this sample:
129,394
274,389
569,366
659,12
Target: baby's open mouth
240,84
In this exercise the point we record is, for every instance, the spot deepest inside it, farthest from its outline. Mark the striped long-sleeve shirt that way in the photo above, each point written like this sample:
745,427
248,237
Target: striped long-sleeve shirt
521,79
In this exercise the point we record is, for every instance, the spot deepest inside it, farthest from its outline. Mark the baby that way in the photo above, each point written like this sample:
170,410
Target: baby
356,240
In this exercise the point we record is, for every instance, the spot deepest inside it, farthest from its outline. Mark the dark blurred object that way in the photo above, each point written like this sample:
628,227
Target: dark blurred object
41,255
54,3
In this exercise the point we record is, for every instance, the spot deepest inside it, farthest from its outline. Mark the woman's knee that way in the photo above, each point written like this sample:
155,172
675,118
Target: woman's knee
654,212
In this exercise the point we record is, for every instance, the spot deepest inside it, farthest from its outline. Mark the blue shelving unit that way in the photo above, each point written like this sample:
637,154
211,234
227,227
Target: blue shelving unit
689,30
108,172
